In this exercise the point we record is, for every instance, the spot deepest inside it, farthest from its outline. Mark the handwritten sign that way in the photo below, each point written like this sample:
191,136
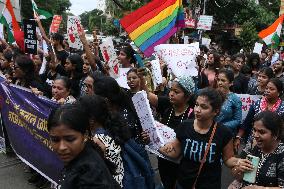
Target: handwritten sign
156,73
205,22
73,26
122,79
180,58
159,134
110,57
54,27
247,101
257,48
189,22
30,36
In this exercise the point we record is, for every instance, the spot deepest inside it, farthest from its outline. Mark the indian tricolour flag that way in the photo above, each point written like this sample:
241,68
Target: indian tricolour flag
272,33
8,19
41,13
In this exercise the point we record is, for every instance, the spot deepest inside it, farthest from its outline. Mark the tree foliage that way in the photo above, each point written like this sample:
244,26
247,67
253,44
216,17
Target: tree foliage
59,7
248,36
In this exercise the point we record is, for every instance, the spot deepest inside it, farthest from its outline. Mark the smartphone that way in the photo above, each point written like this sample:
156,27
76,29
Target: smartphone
250,176
139,60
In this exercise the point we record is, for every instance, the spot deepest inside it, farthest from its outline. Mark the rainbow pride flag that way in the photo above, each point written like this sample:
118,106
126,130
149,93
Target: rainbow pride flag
154,23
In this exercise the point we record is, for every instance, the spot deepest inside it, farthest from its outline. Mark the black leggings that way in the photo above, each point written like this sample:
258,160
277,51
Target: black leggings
168,173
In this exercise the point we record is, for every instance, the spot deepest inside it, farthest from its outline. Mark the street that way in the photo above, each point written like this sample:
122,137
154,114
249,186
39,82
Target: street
13,175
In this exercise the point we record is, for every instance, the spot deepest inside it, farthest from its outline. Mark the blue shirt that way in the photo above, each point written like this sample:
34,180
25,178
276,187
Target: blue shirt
231,112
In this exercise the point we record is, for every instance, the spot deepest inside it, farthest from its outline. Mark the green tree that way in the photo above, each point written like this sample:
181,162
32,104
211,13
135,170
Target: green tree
59,7
248,36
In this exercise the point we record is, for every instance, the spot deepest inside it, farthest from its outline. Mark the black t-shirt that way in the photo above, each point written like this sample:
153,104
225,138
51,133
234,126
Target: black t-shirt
168,117
193,149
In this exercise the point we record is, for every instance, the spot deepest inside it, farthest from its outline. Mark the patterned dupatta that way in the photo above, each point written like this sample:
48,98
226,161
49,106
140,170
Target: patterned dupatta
264,105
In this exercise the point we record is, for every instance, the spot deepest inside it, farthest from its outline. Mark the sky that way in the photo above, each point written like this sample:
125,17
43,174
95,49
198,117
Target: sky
80,6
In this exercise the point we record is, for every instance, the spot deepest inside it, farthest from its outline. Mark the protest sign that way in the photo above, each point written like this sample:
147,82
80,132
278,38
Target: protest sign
54,27
206,41
189,22
205,22
1,31
185,39
247,101
257,48
156,73
107,49
110,57
122,79
180,58
30,36
159,134
73,26
25,119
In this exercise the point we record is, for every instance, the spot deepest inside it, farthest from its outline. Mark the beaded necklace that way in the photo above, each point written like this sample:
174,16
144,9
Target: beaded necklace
183,114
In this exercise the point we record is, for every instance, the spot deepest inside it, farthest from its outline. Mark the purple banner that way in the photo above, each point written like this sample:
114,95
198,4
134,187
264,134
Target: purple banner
25,118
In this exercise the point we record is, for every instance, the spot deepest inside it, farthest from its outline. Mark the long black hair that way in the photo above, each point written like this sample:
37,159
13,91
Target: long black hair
96,109
109,88
74,117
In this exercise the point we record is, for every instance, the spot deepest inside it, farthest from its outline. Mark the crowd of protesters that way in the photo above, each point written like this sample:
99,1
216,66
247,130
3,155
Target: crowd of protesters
96,126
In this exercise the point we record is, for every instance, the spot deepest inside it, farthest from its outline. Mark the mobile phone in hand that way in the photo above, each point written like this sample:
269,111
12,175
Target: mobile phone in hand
250,176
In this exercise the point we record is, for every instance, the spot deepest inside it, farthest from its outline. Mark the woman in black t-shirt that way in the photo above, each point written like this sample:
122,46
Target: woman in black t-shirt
192,140
173,110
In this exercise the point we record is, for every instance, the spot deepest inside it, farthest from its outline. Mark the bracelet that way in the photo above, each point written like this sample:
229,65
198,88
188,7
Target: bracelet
239,137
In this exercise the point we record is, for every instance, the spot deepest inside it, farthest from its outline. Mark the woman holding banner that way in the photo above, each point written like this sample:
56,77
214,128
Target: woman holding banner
61,91
174,109
271,101
84,165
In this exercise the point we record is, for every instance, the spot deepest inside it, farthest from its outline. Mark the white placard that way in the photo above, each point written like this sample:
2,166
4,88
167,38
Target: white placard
180,58
107,50
122,79
156,73
1,31
159,134
206,41
185,39
73,26
205,22
247,101
110,57
257,48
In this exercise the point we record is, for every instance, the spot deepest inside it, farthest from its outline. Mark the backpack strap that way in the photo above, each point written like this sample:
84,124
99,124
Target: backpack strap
205,154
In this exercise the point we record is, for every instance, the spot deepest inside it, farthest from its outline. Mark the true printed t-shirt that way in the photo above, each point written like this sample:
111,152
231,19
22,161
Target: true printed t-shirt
193,149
